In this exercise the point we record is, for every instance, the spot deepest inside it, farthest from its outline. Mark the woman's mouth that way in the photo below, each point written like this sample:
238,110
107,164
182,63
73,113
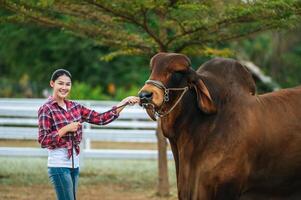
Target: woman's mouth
63,92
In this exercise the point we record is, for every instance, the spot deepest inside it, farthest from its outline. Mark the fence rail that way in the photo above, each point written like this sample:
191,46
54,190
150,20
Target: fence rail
18,120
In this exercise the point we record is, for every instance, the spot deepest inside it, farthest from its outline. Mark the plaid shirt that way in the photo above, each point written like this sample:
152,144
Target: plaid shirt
52,118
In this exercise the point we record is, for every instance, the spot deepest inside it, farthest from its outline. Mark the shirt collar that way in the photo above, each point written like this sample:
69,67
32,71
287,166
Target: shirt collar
52,101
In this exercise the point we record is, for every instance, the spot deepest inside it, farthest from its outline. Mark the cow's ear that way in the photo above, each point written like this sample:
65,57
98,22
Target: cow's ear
205,101
204,98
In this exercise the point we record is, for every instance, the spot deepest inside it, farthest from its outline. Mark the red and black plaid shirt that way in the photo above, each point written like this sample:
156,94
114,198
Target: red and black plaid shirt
52,118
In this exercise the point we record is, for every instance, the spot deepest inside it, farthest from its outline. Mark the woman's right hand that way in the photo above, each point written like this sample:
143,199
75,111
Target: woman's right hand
72,127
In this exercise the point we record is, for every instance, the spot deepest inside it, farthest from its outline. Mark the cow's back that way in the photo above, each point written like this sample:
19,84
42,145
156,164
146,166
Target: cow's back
276,166
279,112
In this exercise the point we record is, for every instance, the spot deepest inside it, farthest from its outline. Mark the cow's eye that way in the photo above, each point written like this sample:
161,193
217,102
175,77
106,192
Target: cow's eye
177,77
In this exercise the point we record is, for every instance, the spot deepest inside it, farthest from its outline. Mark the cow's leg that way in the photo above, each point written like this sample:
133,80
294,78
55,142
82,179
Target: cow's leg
228,191
201,193
174,150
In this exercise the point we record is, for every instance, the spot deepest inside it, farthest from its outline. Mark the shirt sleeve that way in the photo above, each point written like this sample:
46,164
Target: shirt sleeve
93,117
48,138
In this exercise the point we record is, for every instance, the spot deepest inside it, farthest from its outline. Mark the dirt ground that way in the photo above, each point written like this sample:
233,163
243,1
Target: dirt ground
99,191
95,192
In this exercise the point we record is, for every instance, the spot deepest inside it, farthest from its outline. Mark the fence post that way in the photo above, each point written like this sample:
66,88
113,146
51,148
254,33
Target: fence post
81,155
86,142
163,182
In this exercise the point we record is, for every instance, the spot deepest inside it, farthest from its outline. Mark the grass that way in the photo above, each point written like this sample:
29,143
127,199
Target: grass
23,178
23,171
131,174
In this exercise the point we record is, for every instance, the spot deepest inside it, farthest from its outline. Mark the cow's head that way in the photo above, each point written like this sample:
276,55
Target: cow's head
171,70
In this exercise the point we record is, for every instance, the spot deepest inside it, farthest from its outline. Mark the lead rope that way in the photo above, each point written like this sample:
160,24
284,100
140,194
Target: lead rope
72,139
72,156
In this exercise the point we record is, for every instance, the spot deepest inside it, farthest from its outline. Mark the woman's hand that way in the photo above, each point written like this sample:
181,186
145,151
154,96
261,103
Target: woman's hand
131,100
72,127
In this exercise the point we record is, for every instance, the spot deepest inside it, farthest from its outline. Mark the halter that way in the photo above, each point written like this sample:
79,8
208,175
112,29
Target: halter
161,86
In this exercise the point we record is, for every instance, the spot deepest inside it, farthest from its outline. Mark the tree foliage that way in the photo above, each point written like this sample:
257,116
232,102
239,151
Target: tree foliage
29,54
149,26
110,29
277,53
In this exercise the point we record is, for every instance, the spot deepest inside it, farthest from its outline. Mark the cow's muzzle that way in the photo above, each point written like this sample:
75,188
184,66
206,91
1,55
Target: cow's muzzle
145,97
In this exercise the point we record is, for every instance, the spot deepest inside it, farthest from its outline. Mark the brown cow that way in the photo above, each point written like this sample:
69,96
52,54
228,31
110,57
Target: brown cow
228,143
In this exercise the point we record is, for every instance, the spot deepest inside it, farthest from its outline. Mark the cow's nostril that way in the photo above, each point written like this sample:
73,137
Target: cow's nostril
145,97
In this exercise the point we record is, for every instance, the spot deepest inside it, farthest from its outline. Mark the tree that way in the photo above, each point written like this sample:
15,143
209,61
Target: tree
35,52
277,54
146,27
149,26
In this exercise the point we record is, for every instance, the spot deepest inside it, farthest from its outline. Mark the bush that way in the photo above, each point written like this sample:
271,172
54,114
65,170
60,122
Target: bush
82,90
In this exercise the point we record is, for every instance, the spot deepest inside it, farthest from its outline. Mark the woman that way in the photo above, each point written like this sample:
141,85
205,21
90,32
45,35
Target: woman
60,131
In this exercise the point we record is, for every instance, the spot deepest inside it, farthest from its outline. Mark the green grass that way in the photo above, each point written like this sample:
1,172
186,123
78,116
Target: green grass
23,171
132,174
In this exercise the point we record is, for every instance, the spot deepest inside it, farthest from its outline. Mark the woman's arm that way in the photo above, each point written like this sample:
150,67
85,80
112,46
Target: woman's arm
131,100
70,128
94,117
52,138
47,137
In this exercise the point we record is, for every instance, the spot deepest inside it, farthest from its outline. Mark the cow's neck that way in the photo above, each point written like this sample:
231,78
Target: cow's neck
187,129
180,115
179,128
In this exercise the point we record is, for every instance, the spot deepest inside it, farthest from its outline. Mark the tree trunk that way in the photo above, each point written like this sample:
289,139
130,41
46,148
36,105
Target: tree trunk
163,182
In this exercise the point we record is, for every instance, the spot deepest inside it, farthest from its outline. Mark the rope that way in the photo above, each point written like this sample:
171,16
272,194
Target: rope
74,194
159,113
177,102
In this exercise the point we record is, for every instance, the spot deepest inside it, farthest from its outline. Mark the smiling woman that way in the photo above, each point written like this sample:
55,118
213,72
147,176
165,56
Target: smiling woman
61,83
60,131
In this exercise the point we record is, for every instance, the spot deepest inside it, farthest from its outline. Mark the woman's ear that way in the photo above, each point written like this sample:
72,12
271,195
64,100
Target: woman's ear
51,83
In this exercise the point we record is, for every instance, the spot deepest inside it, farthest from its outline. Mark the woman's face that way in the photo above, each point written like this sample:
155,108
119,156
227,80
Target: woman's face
61,86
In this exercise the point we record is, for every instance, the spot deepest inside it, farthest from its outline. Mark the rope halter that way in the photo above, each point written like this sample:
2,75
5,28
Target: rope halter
161,86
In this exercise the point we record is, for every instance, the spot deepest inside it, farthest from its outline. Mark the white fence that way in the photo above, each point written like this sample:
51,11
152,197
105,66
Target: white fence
18,120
